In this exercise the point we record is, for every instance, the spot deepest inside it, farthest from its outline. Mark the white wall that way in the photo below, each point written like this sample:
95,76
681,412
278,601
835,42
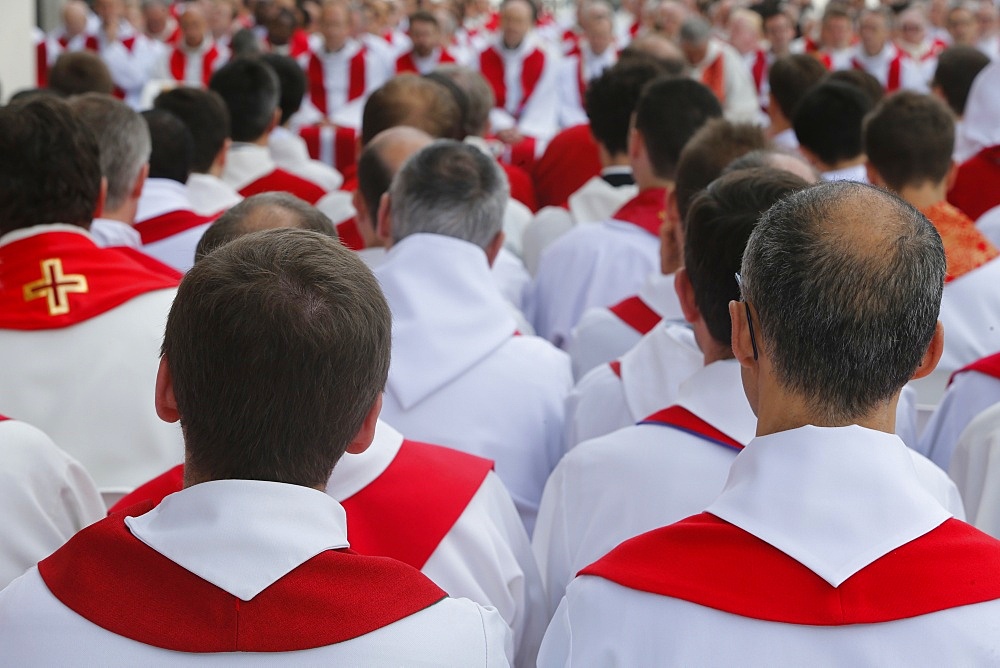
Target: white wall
17,50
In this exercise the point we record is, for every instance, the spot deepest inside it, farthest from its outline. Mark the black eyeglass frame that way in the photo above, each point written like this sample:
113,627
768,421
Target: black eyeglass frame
746,305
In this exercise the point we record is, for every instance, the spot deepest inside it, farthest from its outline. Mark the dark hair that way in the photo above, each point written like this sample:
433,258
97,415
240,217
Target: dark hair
409,99
473,96
250,89
909,139
957,68
173,146
374,178
828,121
611,99
719,223
863,81
846,280
278,344
80,72
206,117
422,15
790,77
264,211
708,152
292,81
669,112
49,166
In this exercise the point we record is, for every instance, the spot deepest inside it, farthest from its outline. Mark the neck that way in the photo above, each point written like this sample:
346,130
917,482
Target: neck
714,351
924,195
125,213
779,123
843,164
787,411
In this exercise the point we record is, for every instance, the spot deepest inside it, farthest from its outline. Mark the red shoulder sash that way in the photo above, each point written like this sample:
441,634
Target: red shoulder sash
405,63
714,77
350,235
693,560
357,84
636,314
682,419
491,67
168,224
153,491
3,418
281,181
116,581
317,84
647,210
59,279
989,366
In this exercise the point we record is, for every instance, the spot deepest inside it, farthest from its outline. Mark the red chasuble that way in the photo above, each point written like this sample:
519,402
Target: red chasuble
405,62
684,420
989,366
405,513
636,314
977,183
178,64
570,160
335,146
317,81
648,210
281,181
60,279
116,581
693,560
168,224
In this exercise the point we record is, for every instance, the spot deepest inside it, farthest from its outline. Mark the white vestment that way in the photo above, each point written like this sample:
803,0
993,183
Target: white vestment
289,152
210,195
161,197
989,225
975,469
969,394
538,116
970,313
108,233
740,103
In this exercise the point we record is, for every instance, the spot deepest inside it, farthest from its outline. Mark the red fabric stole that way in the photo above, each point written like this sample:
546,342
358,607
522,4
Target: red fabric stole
60,279
339,143
405,62
714,76
616,367
569,161
636,314
405,513
989,366
42,64
892,77
825,59
281,181
350,235
759,69
168,224
492,67
114,580
647,210
692,560
356,84
3,418
178,63
682,419
977,183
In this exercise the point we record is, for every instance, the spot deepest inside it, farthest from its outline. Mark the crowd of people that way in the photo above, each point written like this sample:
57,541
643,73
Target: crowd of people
467,333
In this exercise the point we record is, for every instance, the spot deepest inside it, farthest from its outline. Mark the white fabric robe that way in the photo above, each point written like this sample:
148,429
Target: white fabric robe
160,197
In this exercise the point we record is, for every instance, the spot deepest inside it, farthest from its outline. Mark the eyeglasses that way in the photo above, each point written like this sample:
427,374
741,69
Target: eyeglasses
753,339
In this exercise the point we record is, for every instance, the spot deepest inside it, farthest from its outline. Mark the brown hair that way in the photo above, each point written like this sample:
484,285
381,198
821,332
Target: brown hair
908,138
408,99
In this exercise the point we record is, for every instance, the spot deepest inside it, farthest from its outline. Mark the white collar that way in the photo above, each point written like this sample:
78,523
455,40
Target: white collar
349,50
246,163
715,394
242,535
211,195
653,369
447,313
852,173
658,292
526,46
203,48
25,232
160,196
108,233
835,499
355,472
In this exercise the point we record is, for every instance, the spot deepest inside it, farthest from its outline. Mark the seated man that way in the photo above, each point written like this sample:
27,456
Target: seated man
427,52
461,374
275,356
194,58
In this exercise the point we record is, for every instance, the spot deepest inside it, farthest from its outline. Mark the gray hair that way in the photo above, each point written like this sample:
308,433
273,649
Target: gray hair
123,138
449,188
695,30
846,280
478,94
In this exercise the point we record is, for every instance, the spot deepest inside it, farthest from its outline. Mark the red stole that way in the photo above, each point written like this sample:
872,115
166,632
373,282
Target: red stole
405,513
406,63
682,419
60,279
336,147
977,183
178,63
168,224
281,181
616,367
111,578
989,365
759,69
317,82
636,314
825,59
581,80
42,64
350,235
3,418
647,210
954,564
492,67
714,76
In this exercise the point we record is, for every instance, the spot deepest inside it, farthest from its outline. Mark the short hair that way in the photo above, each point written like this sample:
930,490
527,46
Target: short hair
449,188
374,178
695,30
422,15
718,226
863,81
957,68
668,113
479,99
80,72
49,165
531,4
173,146
909,139
828,121
790,77
659,49
264,211
846,280
837,10
123,138
611,99
278,345
409,99
251,90
708,152
206,117
291,81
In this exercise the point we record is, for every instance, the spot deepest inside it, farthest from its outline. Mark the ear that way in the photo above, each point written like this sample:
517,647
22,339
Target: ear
140,181
685,294
952,175
366,433
223,154
166,404
102,198
361,209
635,144
493,249
384,229
742,346
933,353
275,117
874,177
671,242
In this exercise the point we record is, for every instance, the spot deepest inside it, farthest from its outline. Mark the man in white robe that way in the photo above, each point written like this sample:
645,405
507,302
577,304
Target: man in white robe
195,57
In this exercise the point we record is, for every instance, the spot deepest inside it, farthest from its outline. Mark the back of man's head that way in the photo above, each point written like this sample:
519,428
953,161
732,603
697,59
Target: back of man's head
380,161
173,146
611,99
659,48
123,139
449,188
669,112
266,211
291,81
278,348
206,117
909,140
828,121
957,68
80,72
478,97
49,166
790,77
251,91
719,223
408,99
846,281
709,151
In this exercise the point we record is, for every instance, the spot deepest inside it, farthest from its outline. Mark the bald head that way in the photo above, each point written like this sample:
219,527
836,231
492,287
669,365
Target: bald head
379,162
74,16
193,25
776,159
660,49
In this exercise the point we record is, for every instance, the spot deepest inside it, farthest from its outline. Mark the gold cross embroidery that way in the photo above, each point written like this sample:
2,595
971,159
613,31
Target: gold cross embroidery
55,286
